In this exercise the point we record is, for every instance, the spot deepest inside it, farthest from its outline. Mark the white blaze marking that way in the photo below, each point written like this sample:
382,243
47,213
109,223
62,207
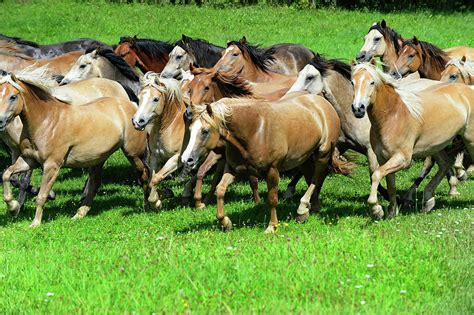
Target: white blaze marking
358,95
195,129
142,106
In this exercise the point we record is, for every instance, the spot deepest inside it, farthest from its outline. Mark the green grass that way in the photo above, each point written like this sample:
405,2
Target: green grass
120,259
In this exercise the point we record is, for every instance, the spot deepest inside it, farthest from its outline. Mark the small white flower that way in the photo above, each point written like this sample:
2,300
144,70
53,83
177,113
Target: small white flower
50,294
362,302
367,276
359,286
403,291
160,238
370,265
231,248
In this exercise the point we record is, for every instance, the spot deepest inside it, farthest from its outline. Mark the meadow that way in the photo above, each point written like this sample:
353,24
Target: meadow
121,259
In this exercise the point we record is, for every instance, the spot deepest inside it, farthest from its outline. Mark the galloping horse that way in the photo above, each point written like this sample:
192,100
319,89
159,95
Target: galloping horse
162,107
145,54
63,140
37,51
407,125
458,71
264,138
188,51
423,57
100,63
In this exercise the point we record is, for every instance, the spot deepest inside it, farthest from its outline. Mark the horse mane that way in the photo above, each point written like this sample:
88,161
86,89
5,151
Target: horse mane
388,33
153,48
19,41
170,88
37,80
261,57
220,114
205,54
10,48
465,67
233,85
115,60
323,65
408,97
439,57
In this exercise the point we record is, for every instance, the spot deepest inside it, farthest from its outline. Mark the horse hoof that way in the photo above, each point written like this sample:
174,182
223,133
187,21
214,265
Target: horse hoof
377,212
470,169
81,213
270,229
51,195
200,206
429,205
454,193
14,207
226,224
301,218
156,205
35,224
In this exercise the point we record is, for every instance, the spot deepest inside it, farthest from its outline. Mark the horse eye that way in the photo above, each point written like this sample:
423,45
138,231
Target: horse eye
411,56
156,99
310,77
206,88
372,83
377,39
179,57
205,132
235,54
352,82
453,77
13,97
82,66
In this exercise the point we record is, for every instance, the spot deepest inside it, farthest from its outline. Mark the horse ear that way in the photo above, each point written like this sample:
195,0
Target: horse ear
373,62
463,59
209,109
243,40
415,40
353,63
193,69
383,24
94,53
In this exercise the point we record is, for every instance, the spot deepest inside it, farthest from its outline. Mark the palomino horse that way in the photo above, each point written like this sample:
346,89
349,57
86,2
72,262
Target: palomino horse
188,51
63,141
99,63
384,42
145,54
37,51
458,71
407,125
423,57
264,138
162,107
58,66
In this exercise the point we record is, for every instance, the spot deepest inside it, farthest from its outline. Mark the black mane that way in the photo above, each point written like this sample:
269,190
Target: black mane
233,86
388,33
439,56
117,61
205,54
323,65
261,57
155,49
19,41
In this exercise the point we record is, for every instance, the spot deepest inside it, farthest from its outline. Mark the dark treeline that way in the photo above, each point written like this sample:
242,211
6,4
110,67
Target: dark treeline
387,5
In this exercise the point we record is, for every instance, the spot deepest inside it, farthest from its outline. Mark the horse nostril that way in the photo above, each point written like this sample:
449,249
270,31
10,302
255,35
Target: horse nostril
141,121
362,106
190,161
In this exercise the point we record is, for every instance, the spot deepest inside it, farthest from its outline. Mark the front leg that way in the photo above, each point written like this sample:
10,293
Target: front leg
211,160
20,165
170,166
90,190
226,180
273,178
395,163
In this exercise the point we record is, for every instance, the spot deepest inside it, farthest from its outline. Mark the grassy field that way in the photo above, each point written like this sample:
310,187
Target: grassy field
121,259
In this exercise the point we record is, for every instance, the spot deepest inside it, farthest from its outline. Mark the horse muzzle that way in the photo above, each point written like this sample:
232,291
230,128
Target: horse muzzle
364,56
139,124
359,111
396,75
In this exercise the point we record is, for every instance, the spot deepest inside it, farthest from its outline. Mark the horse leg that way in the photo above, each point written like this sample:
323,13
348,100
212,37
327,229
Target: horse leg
273,178
392,193
139,163
461,173
453,183
90,190
188,189
24,184
20,165
50,173
373,164
211,160
408,199
290,190
395,163
444,164
215,180
170,166
253,181
226,180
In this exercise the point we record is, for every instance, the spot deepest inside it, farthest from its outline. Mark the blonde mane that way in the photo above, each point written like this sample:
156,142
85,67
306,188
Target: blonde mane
408,96
170,88
220,114
466,68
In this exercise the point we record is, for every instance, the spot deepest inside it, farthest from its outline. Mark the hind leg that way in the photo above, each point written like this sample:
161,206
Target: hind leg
24,184
444,164
253,181
273,178
290,190
408,199
226,180
143,174
90,190
392,193
215,180
20,165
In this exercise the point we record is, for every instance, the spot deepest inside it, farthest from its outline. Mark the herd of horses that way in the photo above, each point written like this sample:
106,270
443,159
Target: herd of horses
241,109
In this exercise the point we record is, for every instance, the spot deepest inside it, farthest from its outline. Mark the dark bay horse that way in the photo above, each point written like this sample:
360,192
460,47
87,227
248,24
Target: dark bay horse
198,52
37,51
145,54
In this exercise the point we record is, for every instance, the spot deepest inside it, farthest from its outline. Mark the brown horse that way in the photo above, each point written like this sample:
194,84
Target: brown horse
54,136
458,71
264,138
407,125
145,54
423,57
251,63
58,66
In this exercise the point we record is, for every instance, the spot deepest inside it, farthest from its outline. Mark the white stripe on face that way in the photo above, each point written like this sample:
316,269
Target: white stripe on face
4,91
195,131
358,93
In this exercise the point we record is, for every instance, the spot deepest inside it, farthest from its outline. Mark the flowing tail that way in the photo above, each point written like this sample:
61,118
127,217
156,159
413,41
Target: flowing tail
339,165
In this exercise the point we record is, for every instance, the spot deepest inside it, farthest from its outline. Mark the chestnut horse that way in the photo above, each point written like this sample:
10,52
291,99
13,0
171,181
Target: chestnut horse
145,54
36,51
188,51
265,138
407,125
63,141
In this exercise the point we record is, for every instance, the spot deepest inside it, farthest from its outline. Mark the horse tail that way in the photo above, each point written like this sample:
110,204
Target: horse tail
131,95
340,165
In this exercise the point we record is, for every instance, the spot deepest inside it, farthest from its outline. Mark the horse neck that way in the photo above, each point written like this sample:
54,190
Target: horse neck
251,73
388,112
430,69
390,56
339,92
152,64
113,73
170,118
